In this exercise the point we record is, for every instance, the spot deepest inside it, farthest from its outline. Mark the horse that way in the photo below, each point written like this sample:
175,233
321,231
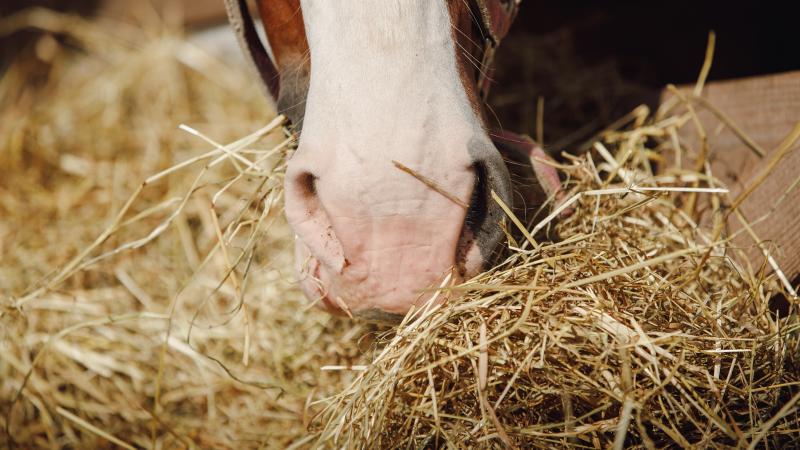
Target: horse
397,182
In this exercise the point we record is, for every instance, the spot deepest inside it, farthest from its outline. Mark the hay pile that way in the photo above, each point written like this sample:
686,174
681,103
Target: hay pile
163,314
636,328
120,318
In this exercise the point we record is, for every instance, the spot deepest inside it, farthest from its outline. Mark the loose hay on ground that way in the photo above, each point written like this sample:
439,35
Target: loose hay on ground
102,340
180,326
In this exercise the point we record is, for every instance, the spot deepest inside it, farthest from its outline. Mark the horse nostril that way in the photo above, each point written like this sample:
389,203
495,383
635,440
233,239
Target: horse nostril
469,256
482,233
478,211
307,184
311,221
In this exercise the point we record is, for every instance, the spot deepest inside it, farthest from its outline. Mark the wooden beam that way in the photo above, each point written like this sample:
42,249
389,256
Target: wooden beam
765,108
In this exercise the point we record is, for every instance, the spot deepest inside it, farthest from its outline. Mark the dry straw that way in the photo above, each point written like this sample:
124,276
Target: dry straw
145,271
147,299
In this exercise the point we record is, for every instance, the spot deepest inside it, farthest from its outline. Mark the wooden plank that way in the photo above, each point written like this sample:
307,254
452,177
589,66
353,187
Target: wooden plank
766,109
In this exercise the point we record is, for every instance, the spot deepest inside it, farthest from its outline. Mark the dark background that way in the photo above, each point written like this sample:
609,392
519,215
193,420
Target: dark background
593,61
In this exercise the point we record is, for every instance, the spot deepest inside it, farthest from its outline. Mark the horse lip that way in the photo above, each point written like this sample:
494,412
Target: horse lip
330,305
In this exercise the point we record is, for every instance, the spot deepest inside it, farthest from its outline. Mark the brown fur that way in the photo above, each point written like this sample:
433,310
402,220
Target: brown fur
283,22
466,44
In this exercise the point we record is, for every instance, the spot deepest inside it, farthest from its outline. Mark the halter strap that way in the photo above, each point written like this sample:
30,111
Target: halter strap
496,17
250,43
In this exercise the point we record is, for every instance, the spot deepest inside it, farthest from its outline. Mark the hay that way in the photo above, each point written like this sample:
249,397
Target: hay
120,317
612,336
147,296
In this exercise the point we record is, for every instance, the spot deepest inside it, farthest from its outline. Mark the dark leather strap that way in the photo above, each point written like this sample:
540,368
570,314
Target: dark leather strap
242,23
495,18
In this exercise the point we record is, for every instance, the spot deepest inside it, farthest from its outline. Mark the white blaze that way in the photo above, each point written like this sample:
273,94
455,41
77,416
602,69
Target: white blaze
384,87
